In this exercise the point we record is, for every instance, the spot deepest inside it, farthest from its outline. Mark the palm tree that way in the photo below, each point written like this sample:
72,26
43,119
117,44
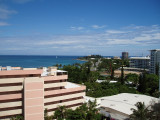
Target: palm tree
141,113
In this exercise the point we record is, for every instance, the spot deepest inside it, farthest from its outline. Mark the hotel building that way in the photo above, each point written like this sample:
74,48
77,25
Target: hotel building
155,60
139,62
29,91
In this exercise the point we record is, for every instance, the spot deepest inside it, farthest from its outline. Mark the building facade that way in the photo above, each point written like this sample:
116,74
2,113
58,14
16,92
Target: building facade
140,62
124,55
28,92
155,60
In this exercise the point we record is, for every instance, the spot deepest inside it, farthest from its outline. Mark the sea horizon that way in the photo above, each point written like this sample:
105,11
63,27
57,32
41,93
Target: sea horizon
37,61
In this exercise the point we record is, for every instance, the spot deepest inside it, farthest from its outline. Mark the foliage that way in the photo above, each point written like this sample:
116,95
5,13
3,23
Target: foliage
84,112
60,113
78,73
122,75
148,84
91,56
46,116
141,113
18,117
152,112
155,113
132,77
107,89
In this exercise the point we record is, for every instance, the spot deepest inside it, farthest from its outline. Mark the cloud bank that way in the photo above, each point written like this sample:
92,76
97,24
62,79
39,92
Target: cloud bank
131,38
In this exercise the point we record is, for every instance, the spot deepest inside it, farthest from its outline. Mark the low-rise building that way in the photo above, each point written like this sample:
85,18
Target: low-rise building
28,92
119,106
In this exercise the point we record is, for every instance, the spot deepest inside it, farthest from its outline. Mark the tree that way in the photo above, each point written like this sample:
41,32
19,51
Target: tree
155,114
142,83
157,69
122,74
93,76
87,111
148,84
75,115
46,117
141,113
60,113
134,78
18,117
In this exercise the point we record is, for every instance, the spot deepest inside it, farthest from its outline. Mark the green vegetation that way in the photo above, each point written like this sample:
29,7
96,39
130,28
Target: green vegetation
131,83
143,112
90,56
148,84
18,117
87,111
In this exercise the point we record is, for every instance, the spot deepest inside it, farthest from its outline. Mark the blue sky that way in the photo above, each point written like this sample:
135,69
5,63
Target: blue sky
79,27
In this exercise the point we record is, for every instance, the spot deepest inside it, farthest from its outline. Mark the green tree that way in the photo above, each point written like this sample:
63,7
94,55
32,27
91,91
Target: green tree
122,75
60,113
148,84
75,115
93,76
142,83
18,117
141,113
157,69
155,113
134,78
46,116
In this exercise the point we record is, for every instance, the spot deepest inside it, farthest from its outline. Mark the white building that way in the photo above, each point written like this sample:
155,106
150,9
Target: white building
140,62
119,106
155,60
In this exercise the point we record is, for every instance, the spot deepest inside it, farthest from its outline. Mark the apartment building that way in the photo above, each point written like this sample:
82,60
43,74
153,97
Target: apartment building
155,60
29,91
140,62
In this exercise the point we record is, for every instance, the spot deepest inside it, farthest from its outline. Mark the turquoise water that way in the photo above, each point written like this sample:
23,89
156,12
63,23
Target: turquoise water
36,61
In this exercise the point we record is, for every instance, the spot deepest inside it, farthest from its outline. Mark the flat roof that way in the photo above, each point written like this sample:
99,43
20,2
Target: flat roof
71,85
20,72
60,71
155,50
139,58
125,101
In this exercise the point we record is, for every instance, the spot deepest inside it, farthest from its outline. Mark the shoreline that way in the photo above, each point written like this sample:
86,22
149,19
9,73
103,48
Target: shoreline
82,60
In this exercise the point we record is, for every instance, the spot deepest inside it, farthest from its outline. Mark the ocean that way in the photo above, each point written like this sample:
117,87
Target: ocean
35,61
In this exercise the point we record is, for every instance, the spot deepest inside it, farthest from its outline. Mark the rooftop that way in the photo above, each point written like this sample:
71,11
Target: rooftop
71,85
125,101
139,58
155,50
50,71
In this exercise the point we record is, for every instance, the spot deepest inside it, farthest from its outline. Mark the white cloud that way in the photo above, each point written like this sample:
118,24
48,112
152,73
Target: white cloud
87,43
54,42
115,31
76,28
3,24
5,13
98,27
21,1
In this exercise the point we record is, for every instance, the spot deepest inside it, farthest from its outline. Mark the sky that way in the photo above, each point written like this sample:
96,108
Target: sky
79,27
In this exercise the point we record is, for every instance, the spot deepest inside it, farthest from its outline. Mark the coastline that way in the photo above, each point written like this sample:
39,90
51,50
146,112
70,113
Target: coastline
82,60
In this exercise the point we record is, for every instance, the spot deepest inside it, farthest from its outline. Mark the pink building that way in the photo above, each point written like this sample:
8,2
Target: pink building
29,91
